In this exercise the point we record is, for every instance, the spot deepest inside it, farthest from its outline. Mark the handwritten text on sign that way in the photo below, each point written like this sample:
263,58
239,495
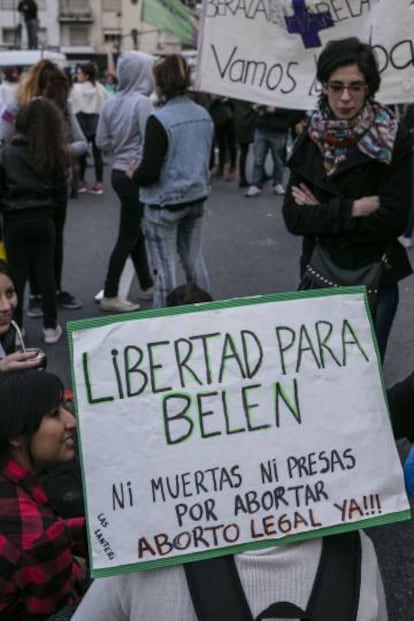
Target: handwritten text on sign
231,424
266,51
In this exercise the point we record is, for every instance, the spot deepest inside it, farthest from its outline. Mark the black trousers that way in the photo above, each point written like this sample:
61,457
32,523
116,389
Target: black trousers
97,160
30,247
131,240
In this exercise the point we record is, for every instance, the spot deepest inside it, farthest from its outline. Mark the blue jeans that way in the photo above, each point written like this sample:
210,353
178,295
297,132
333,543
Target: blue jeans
170,231
263,143
32,27
388,298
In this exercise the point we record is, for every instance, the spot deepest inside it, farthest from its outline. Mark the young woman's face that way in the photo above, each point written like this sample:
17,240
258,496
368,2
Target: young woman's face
346,91
81,77
54,441
8,303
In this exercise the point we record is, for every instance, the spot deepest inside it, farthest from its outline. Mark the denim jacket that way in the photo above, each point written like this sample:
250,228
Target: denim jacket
184,175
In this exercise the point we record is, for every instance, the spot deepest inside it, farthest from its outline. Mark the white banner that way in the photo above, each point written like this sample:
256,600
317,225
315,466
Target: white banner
265,51
231,425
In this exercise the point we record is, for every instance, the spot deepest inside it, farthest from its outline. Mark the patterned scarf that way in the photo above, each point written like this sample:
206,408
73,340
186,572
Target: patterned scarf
372,131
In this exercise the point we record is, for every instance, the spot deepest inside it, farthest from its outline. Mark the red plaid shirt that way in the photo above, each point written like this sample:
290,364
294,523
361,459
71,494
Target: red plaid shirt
38,573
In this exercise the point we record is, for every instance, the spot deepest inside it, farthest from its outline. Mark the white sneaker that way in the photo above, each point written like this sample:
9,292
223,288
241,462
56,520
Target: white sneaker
146,294
253,191
407,242
52,335
99,296
118,305
279,189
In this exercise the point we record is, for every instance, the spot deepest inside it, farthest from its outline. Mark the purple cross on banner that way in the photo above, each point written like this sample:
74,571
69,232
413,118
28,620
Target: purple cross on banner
308,24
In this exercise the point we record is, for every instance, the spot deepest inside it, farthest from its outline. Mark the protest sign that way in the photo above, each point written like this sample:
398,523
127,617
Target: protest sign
231,425
265,51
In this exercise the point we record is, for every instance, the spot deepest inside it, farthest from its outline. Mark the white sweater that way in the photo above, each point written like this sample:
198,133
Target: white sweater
280,573
88,98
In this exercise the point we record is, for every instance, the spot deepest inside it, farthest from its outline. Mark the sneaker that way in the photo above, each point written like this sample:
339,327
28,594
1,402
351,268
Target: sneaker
146,294
52,335
253,191
82,187
96,188
67,300
99,296
34,309
279,189
118,305
407,242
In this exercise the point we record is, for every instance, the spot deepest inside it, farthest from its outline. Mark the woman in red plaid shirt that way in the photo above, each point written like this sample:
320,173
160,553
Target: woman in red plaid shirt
39,570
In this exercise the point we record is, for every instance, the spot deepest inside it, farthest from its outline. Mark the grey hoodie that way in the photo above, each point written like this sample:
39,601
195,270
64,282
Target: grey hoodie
124,116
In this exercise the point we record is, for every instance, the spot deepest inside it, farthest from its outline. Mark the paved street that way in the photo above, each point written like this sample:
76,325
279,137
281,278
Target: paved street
248,252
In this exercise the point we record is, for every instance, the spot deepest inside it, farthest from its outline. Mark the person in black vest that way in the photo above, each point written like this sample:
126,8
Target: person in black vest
28,8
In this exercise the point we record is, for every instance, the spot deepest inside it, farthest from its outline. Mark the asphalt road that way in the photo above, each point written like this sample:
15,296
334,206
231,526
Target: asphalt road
248,252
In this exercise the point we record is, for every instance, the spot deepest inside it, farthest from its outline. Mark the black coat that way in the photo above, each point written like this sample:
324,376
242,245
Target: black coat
352,242
21,187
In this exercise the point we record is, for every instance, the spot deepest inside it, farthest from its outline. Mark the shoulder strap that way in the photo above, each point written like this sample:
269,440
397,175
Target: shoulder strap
338,580
335,593
216,591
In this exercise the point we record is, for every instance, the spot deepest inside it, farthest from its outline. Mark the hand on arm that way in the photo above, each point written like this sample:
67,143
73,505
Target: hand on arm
19,360
365,206
302,195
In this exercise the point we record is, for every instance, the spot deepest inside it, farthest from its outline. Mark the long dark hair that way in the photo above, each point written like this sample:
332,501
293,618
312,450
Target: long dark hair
89,70
43,125
26,396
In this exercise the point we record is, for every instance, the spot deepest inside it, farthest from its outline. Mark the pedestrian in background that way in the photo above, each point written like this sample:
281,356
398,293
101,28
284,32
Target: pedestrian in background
174,179
121,130
47,80
28,8
33,175
271,135
244,124
88,97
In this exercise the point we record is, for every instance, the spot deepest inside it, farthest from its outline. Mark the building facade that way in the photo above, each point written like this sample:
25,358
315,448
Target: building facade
86,28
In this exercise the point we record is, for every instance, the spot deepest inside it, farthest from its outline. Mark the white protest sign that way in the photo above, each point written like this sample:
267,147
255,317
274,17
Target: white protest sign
265,51
231,425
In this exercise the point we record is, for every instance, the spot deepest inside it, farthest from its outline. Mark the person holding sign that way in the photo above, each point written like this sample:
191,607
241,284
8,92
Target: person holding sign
39,573
174,178
349,189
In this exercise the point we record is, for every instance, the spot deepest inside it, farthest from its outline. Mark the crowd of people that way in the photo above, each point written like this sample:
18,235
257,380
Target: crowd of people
348,197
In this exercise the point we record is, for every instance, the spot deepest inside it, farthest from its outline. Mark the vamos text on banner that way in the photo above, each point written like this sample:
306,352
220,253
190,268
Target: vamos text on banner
231,425
265,51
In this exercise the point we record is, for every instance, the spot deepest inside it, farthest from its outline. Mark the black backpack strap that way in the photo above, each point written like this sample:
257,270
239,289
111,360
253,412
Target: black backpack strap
338,580
216,591
335,593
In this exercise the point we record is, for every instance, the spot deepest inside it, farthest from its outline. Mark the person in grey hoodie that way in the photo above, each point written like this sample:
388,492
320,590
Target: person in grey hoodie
121,130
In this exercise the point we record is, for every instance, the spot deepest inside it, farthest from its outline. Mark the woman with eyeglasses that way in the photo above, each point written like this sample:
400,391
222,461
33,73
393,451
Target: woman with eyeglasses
349,189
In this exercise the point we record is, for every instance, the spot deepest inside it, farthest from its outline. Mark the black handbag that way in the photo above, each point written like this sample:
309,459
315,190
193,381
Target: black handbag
321,272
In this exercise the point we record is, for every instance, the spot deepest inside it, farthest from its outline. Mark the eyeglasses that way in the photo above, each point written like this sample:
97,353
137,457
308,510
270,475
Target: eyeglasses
354,88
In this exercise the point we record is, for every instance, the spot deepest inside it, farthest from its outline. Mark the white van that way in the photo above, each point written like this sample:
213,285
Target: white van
26,58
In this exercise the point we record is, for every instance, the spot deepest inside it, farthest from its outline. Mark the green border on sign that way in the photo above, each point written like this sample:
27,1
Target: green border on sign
94,322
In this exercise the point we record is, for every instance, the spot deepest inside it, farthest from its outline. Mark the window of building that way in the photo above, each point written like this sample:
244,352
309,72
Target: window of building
78,35
10,36
112,5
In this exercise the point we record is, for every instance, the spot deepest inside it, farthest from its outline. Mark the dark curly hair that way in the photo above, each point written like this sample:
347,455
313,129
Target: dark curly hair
350,51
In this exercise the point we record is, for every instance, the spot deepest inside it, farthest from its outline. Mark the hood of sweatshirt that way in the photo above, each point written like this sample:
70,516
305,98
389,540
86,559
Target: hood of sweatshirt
134,73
